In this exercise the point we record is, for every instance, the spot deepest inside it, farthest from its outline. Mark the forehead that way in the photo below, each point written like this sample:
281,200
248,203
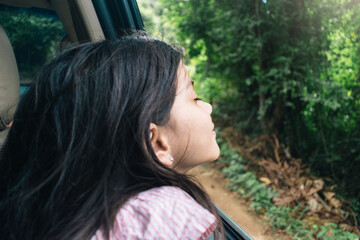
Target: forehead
184,80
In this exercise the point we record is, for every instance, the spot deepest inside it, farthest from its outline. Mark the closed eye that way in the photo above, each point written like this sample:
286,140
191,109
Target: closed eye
197,99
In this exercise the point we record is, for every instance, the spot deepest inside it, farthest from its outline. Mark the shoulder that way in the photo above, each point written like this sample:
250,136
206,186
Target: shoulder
163,213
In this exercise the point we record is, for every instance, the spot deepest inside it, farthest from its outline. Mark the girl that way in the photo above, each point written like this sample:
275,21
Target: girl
100,146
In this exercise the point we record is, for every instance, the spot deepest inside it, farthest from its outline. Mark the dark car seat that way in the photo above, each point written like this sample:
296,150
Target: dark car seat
9,85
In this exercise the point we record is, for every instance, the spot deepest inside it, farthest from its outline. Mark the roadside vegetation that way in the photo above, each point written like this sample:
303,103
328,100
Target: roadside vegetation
303,217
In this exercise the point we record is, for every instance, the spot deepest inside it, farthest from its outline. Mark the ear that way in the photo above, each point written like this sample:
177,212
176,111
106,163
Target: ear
160,144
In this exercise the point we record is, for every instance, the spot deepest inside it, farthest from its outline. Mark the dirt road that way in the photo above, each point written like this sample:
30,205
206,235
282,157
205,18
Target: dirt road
214,183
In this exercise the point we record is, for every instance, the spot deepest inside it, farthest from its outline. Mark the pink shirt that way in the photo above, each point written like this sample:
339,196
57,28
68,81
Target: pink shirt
162,213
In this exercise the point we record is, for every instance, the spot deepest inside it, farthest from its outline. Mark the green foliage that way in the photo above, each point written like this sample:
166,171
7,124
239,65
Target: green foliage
331,231
285,218
151,21
289,219
33,36
156,26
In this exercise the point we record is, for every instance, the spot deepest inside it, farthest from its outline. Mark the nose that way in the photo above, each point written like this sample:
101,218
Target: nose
207,107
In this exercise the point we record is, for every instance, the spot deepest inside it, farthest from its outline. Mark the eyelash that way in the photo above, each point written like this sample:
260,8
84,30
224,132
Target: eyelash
197,99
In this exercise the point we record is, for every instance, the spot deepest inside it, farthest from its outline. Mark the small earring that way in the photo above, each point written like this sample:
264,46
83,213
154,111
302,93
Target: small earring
171,158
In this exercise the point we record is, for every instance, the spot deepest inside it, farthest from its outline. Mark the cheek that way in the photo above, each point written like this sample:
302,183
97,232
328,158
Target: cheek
200,135
179,138
192,132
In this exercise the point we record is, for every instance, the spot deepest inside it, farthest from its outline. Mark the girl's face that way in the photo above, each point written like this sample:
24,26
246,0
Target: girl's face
194,139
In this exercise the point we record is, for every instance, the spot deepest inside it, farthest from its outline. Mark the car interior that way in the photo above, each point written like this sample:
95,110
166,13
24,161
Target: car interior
82,21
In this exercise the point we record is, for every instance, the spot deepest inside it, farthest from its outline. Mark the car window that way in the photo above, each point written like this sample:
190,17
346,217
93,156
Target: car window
35,36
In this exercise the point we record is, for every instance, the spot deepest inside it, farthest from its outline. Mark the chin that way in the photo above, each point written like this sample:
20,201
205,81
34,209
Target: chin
215,155
217,151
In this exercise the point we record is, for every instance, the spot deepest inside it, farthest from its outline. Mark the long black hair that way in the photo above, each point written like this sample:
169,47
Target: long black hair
79,146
